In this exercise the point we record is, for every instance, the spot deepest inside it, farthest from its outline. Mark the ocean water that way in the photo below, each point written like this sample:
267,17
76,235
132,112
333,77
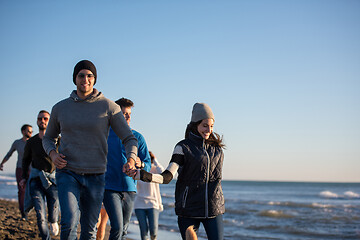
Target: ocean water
268,210
282,210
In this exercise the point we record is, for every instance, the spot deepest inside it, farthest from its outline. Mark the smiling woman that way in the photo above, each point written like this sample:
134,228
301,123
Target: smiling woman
198,159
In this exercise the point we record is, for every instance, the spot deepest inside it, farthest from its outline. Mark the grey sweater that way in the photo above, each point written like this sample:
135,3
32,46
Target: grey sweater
19,146
84,128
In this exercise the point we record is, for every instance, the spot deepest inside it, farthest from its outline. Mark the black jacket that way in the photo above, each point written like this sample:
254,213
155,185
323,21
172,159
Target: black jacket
198,188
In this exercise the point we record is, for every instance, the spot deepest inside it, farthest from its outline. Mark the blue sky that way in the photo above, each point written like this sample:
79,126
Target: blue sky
282,77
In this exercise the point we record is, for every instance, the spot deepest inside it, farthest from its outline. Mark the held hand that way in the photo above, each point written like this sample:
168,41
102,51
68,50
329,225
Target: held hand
136,175
22,183
138,162
58,159
132,173
1,167
129,166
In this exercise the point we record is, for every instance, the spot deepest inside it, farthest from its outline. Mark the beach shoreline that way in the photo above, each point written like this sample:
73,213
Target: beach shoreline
316,210
12,227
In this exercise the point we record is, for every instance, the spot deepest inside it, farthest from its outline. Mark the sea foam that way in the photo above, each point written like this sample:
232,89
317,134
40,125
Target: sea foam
13,183
275,214
7,178
350,194
328,194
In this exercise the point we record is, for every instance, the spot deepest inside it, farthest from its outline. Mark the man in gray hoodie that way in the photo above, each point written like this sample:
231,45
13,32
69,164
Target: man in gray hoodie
83,120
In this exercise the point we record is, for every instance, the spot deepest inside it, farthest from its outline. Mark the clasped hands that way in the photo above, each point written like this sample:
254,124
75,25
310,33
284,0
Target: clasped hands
130,168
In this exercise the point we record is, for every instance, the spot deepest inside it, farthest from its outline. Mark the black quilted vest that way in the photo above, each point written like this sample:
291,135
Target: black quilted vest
198,188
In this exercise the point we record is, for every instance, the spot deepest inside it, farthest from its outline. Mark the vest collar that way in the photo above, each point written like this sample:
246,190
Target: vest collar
198,140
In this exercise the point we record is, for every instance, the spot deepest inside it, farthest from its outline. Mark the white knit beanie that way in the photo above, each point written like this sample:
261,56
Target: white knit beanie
201,111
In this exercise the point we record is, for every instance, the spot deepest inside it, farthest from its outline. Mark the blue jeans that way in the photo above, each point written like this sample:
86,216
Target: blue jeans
119,206
214,227
79,194
144,216
38,194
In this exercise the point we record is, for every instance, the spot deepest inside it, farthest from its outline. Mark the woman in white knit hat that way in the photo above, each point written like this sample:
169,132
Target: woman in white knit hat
198,159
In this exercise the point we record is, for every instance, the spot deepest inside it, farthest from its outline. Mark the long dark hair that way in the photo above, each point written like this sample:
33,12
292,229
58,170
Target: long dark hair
214,138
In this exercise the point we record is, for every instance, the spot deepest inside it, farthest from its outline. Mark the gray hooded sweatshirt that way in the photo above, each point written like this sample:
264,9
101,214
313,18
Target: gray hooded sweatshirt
84,128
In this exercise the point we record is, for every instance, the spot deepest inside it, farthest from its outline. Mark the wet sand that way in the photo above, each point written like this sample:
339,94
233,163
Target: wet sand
12,227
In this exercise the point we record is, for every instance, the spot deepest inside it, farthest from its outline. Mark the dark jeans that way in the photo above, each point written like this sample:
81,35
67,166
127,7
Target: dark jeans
214,227
38,196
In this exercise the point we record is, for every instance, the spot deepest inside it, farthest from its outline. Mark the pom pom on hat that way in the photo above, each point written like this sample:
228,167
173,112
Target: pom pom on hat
201,111
84,64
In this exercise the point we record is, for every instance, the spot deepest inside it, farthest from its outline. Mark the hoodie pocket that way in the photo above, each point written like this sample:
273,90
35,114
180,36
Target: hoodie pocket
185,194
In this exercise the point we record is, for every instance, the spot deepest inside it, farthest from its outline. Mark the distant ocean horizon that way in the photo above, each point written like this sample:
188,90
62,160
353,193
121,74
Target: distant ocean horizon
287,181
9,173
283,210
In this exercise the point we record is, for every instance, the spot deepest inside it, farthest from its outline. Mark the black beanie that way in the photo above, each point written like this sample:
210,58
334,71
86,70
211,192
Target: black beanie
84,64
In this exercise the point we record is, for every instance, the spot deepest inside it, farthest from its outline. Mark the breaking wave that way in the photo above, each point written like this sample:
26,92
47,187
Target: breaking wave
275,214
350,194
345,195
7,178
328,194
301,205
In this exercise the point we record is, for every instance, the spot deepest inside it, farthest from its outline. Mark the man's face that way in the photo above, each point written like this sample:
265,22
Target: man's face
43,120
127,114
85,80
27,132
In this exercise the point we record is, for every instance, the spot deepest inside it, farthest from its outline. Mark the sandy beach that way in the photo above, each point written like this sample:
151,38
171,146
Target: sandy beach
12,227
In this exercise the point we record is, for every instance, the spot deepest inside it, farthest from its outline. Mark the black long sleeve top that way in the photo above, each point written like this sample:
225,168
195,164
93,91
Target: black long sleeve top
35,155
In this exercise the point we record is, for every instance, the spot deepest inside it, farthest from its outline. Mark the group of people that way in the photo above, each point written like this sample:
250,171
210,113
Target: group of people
35,174
86,159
